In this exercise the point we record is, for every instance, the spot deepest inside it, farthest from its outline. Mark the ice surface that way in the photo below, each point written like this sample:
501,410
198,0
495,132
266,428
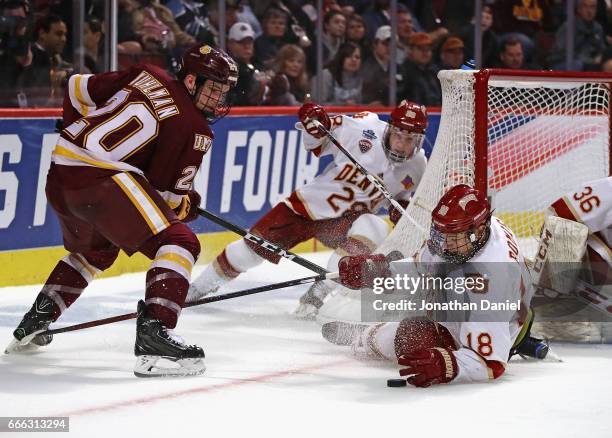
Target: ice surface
271,375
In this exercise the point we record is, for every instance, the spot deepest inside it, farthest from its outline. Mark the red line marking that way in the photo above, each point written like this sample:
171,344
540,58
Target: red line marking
199,390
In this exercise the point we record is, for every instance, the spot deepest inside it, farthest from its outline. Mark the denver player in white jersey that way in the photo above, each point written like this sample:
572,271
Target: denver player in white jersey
477,348
591,205
338,207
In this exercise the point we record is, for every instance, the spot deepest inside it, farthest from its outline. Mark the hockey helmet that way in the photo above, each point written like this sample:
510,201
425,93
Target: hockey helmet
456,234
209,63
405,132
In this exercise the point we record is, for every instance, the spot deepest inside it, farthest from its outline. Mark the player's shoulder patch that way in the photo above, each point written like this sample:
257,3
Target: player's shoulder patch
364,145
202,143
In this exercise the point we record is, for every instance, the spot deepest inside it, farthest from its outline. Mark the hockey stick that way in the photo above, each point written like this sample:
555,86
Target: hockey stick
223,297
377,183
260,241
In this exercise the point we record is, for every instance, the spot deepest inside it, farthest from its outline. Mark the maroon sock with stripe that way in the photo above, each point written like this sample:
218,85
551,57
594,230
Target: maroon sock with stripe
165,295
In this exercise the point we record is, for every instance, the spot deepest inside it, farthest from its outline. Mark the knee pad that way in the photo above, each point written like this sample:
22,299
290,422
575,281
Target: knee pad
370,230
415,334
177,234
101,259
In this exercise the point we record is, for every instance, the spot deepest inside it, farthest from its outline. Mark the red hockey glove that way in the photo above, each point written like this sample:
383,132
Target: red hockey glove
359,271
394,213
309,112
187,211
429,367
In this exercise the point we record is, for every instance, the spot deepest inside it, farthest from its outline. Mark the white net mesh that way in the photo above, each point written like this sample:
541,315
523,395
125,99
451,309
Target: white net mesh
545,138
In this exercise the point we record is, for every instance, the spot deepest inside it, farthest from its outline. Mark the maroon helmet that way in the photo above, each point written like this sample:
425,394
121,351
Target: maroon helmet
454,223
208,63
407,125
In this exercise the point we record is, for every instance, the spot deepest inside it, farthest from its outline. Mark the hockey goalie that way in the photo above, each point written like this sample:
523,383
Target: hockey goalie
465,236
339,206
574,296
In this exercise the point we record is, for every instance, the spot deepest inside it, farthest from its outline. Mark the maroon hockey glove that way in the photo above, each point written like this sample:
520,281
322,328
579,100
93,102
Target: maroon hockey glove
394,213
429,367
309,112
359,271
187,211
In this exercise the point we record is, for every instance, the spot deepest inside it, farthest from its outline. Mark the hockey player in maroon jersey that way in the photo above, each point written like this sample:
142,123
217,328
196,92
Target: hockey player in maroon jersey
121,178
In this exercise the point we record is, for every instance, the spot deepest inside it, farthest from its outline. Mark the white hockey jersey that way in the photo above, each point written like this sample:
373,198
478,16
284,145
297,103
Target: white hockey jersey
341,186
592,206
485,335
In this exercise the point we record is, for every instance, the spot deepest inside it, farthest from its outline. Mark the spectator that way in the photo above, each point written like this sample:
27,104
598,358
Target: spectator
15,51
268,44
378,15
157,28
92,43
42,81
356,33
490,41
341,80
289,84
250,87
128,40
334,26
523,20
404,31
439,18
589,40
451,54
246,15
192,17
375,70
511,56
421,80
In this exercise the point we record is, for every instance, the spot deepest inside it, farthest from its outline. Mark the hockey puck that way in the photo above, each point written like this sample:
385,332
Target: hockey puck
396,383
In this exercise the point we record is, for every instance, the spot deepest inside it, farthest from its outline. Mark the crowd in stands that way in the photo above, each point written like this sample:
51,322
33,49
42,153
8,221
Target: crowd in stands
274,44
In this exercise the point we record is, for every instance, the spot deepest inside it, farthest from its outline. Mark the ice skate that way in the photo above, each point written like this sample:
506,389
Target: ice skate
26,336
343,333
312,300
155,343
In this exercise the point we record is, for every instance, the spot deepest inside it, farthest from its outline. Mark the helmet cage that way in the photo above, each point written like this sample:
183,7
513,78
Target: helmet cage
465,244
407,138
217,103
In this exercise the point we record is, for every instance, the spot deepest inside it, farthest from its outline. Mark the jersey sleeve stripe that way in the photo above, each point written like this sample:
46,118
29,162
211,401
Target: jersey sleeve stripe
79,96
143,203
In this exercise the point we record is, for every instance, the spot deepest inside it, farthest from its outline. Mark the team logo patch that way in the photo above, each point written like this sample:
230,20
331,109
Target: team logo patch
369,134
202,143
407,182
205,50
364,145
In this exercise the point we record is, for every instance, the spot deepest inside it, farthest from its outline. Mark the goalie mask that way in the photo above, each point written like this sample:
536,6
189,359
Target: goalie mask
216,74
405,132
460,224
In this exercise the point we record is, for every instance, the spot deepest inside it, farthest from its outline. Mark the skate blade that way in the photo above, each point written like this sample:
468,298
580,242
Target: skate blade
147,366
21,347
306,311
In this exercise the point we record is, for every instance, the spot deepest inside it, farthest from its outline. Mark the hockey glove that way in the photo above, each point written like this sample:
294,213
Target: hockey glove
309,112
187,210
394,213
429,367
359,271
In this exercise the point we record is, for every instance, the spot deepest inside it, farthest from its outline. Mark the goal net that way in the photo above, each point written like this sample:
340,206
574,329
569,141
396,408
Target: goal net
524,138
